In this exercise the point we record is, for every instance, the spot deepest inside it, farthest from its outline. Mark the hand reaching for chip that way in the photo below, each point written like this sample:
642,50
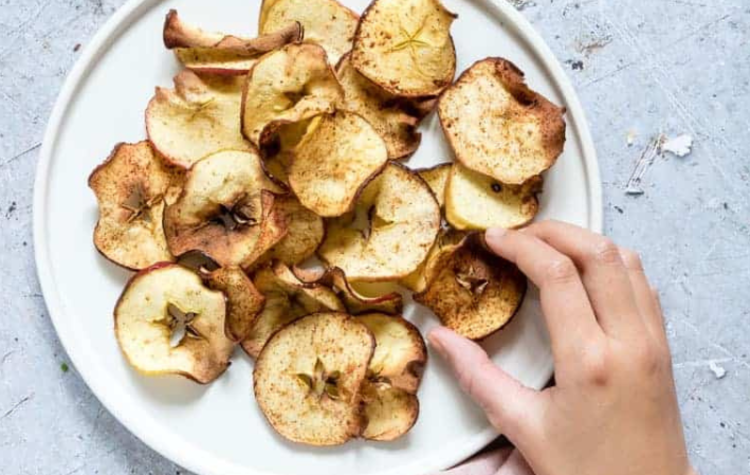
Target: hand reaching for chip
613,409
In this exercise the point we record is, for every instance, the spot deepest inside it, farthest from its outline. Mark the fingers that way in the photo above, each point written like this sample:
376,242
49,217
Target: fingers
509,406
646,298
603,272
568,313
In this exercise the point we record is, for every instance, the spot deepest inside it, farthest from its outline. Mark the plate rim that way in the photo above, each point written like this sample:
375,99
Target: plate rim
201,461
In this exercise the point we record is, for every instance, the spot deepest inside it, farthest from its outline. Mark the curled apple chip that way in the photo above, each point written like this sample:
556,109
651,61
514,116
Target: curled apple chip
168,322
244,302
472,291
394,118
226,210
405,46
305,232
497,126
436,178
334,161
394,225
131,188
217,53
287,299
477,201
196,118
326,22
390,303
447,238
393,377
308,378
289,85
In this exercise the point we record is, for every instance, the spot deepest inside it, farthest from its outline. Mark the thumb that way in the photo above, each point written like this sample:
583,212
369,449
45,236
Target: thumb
508,404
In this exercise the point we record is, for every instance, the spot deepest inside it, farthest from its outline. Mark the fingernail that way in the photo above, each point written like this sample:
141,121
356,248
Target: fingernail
495,234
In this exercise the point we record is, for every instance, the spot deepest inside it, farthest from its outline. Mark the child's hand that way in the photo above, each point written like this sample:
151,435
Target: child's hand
613,410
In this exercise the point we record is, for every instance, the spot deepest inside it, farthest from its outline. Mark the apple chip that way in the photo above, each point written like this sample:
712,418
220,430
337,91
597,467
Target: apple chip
393,377
308,378
168,322
287,86
497,126
334,161
405,47
244,302
227,210
395,119
436,178
390,412
326,22
402,222
472,291
305,232
477,201
197,118
217,53
447,238
389,303
132,187
287,299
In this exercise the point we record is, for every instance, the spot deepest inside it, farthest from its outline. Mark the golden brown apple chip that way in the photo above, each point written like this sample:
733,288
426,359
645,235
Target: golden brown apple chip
477,201
287,299
132,187
221,54
168,322
499,127
308,378
472,291
394,375
226,210
334,161
405,47
394,225
289,85
200,116
326,22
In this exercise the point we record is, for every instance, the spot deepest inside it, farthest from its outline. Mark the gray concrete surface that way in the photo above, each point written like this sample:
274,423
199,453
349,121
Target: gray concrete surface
650,67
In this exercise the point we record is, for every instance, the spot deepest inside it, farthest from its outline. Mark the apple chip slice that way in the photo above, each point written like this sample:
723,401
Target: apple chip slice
217,53
472,291
436,178
227,210
447,238
477,201
405,46
289,85
395,119
326,22
403,219
244,302
131,187
168,322
334,161
389,303
287,299
305,232
308,378
497,126
198,117
393,377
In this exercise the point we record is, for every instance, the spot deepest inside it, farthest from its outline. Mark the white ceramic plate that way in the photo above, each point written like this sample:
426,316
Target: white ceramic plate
218,429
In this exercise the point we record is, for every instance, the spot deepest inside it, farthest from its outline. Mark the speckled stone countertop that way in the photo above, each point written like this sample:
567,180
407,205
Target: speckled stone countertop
642,68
